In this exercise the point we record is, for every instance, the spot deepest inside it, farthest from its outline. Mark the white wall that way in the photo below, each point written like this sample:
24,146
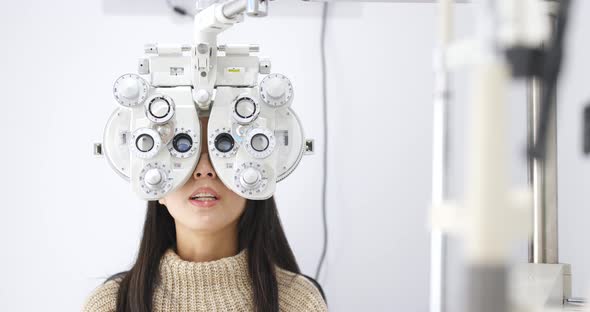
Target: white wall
574,168
68,221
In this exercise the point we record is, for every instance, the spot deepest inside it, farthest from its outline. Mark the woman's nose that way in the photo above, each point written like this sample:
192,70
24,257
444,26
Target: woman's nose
204,168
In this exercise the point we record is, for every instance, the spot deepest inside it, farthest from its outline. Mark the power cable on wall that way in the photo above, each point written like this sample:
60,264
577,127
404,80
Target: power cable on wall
325,141
178,9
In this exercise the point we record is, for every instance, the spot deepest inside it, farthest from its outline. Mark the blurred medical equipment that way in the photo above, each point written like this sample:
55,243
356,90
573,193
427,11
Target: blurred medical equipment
512,39
255,139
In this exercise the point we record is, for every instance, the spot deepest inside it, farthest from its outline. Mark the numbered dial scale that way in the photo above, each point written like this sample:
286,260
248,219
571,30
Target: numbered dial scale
184,144
260,142
130,90
160,109
245,109
222,144
155,179
276,90
251,178
145,143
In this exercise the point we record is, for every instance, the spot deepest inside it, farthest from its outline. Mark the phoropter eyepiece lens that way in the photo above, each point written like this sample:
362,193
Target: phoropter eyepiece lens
224,142
259,142
144,143
245,108
182,142
159,107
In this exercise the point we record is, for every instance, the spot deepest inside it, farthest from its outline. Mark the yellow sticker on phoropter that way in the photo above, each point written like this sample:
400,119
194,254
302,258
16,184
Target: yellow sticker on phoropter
235,69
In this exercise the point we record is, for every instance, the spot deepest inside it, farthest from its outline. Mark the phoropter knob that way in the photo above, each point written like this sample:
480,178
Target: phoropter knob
276,90
130,90
153,177
250,178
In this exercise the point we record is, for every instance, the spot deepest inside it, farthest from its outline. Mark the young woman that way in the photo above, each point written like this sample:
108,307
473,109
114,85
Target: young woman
205,248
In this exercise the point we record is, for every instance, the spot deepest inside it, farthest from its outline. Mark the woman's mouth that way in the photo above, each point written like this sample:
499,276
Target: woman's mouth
204,197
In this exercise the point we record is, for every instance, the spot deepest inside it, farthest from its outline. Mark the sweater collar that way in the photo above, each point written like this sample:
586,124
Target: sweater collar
198,276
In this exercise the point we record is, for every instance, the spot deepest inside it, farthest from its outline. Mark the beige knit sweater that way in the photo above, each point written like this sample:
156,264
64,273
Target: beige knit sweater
220,285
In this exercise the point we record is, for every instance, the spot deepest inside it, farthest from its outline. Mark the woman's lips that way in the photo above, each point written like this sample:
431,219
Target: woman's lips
205,197
204,203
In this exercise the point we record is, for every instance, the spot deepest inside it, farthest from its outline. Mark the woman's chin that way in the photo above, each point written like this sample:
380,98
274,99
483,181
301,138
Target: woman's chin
202,223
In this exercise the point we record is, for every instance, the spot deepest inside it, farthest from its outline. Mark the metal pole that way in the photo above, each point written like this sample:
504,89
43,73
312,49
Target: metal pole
439,182
543,247
440,156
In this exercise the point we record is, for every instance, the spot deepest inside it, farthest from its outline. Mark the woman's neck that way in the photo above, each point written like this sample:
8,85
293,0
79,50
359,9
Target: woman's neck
199,246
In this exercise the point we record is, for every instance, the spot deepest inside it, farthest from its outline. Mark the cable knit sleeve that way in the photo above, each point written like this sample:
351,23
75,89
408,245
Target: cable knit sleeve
103,298
298,294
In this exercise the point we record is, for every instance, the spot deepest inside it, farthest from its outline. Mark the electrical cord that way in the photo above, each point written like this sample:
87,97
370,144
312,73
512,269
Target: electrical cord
178,9
586,130
551,69
325,143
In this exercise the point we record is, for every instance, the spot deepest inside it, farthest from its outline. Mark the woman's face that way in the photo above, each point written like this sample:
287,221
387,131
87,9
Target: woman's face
204,203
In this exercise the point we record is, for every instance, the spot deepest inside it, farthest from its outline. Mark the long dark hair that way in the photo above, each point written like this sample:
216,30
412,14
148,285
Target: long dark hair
259,230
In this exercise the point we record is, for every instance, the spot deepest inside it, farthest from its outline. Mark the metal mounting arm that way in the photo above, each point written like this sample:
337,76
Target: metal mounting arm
208,24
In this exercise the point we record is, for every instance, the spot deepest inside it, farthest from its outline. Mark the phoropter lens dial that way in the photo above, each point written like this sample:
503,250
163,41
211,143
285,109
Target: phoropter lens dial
259,142
182,142
145,143
245,109
130,90
276,90
251,178
155,180
224,142
159,109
